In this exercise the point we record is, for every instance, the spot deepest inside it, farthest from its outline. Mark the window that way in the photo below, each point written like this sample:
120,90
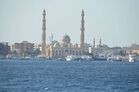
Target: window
73,52
66,51
76,52
79,52
59,52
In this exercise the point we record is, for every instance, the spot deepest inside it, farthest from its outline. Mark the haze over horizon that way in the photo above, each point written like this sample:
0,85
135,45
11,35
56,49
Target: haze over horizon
115,21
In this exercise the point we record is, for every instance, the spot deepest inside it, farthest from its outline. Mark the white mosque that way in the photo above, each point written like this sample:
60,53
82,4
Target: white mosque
65,47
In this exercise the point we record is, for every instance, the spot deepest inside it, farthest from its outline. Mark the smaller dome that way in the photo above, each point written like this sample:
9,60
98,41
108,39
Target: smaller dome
53,42
66,39
56,44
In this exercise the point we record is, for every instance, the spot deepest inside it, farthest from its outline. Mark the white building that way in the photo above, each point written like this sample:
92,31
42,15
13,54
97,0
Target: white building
63,49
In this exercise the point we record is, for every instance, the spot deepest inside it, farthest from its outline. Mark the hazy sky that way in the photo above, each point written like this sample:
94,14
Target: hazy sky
115,21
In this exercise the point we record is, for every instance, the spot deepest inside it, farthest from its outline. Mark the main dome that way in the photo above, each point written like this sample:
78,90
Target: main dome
66,39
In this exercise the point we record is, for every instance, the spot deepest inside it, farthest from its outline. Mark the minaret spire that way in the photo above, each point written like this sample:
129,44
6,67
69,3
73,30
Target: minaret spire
93,47
82,30
100,42
43,52
93,42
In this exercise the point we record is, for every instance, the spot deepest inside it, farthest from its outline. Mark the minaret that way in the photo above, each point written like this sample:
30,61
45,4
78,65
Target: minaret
43,52
82,30
100,42
100,45
94,43
94,47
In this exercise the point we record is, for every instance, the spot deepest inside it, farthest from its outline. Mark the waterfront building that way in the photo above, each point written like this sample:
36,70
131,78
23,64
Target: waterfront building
135,51
65,47
87,48
4,48
134,46
23,48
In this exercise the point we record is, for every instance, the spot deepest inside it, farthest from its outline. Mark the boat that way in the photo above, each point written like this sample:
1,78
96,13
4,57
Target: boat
131,57
72,58
86,58
42,57
100,57
110,59
78,58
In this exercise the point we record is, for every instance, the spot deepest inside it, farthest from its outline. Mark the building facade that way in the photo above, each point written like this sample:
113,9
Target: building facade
4,49
63,48
23,48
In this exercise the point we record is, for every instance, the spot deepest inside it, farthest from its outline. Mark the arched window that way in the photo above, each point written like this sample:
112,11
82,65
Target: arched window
66,51
59,52
76,52
73,52
79,52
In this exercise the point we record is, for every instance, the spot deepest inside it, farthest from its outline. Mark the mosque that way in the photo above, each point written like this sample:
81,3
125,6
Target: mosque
65,47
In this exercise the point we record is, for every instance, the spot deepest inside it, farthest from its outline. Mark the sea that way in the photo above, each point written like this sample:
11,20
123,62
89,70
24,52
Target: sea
73,76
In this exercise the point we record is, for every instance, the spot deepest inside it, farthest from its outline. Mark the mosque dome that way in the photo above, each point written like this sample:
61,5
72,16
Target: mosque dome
53,42
66,39
56,44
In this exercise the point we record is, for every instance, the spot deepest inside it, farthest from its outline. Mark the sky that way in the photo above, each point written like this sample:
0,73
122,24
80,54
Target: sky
116,22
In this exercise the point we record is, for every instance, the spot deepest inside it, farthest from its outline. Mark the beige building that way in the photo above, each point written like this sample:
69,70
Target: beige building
23,47
135,51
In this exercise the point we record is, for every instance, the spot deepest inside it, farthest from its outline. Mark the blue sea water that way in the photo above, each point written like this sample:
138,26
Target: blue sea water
60,76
